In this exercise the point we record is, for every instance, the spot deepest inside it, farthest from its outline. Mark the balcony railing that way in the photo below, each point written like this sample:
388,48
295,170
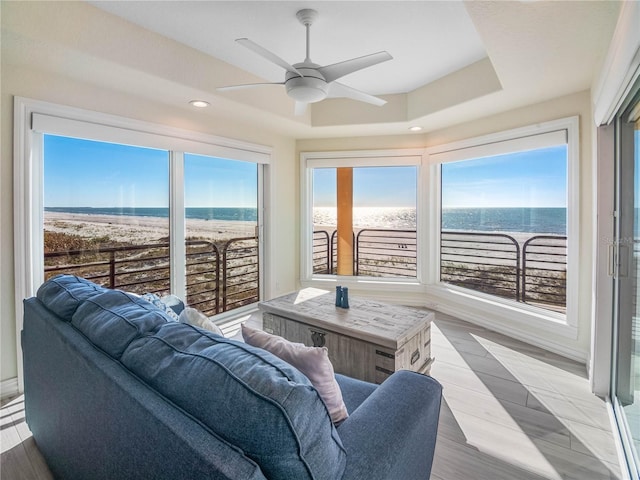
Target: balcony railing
485,262
377,253
219,277
533,272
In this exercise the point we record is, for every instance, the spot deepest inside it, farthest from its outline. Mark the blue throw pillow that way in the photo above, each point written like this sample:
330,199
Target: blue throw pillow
154,299
246,395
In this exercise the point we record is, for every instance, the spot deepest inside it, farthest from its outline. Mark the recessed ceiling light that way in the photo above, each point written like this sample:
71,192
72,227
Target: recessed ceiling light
199,103
415,128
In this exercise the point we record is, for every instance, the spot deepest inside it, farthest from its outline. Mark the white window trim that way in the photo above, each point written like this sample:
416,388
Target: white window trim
516,319
359,158
31,115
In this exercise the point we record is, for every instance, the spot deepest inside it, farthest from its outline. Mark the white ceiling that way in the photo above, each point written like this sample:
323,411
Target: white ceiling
454,61
428,40
532,51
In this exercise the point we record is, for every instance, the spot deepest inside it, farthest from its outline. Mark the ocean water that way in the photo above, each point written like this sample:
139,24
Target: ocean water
202,213
527,220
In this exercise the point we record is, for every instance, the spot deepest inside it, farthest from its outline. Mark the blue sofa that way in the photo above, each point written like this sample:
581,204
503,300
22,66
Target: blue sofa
115,389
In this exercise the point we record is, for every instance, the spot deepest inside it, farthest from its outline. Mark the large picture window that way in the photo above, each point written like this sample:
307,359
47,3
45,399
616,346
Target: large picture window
137,206
106,213
363,217
505,208
107,218
504,225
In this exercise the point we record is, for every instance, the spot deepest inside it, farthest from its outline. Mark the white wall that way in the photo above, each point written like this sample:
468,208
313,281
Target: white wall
22,77
571,105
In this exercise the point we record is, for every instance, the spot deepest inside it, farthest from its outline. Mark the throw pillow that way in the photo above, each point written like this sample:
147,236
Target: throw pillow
154,299
197,318
313,362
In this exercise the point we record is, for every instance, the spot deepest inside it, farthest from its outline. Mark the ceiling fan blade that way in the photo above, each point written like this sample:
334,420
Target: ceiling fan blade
301,108
243,86
337,70
272,57
339,90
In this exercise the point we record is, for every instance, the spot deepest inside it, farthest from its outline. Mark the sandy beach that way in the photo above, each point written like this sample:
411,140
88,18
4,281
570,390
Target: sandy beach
141,230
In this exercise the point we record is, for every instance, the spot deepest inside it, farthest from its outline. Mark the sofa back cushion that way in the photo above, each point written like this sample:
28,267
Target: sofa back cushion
63,294
112,319
246,395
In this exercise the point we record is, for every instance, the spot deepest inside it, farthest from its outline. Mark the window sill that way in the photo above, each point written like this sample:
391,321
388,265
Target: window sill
546,329
407,291
530,324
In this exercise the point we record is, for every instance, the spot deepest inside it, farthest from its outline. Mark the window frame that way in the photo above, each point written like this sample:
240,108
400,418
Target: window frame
513,315
33,118
357,158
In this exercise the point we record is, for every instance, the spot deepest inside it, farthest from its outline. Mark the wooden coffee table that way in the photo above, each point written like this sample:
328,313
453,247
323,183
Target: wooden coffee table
369,341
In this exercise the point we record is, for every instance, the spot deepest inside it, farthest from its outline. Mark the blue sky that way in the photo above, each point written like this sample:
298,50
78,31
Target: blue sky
372,187
214,182
83,173
536,178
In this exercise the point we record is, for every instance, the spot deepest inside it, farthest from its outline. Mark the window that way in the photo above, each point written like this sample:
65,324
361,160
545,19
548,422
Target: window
504,225
221,214
362,216
106,213
113,199
504,208
484,228
107,219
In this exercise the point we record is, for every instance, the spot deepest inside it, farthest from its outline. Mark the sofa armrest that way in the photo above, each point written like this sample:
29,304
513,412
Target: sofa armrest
392,434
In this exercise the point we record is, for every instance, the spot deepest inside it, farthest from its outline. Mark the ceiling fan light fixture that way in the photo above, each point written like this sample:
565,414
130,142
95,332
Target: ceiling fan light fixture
307,89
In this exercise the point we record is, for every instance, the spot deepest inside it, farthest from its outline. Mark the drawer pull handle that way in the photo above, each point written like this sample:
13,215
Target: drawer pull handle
317,338
384,354
415,356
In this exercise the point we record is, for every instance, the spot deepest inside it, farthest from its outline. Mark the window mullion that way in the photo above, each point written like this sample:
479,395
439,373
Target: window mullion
177,224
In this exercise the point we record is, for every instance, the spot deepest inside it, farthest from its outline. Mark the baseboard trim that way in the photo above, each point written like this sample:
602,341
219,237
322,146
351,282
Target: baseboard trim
9,388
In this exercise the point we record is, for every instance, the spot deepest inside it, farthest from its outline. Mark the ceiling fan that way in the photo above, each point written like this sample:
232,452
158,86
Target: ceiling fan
307,82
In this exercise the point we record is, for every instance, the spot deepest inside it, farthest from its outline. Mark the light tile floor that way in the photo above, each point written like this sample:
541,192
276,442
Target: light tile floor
510,411
513,411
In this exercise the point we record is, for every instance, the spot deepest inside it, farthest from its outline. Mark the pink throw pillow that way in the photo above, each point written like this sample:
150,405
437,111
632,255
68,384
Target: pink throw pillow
313,362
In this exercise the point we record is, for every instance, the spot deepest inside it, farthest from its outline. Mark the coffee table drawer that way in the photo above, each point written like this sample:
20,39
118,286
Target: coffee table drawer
355,357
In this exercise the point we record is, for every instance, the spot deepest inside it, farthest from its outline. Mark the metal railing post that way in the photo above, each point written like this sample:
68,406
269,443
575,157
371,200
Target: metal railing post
112,269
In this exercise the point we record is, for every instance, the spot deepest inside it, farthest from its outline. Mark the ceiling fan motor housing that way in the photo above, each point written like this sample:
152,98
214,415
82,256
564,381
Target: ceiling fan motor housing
308,89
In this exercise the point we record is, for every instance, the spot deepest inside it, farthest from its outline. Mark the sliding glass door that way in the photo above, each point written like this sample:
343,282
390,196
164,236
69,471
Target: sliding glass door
625,268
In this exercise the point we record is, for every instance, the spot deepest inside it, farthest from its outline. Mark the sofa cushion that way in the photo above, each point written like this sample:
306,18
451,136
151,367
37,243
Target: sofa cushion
63,294
313,362
246,395
112,319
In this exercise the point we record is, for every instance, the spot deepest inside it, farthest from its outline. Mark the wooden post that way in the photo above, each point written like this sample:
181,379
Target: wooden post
345,220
